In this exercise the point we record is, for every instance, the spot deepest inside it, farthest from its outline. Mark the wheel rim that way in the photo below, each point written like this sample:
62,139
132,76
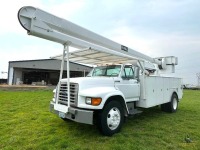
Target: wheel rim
113,118
175,103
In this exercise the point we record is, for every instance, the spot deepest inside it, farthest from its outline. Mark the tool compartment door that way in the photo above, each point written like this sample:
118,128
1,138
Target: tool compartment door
158,90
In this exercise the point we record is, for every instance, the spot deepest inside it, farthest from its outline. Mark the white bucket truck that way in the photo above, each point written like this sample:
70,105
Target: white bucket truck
121,81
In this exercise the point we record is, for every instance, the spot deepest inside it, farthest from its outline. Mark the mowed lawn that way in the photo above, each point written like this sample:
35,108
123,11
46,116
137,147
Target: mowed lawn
26,123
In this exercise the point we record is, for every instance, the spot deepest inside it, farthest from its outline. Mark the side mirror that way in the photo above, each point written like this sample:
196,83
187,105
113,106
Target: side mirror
136,73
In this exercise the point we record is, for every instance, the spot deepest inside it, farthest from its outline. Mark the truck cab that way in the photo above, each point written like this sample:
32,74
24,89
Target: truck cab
90,95
125,78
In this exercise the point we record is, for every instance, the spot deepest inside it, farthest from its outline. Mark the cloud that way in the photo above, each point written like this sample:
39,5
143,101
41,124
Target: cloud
185,47
155,28
8,14
28,52
168,16
14,42
9,10
66,9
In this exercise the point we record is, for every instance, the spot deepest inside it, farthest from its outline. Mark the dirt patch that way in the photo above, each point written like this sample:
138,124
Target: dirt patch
5,87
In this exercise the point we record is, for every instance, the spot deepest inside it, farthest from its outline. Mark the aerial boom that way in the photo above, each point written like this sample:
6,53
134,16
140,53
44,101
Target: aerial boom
45,25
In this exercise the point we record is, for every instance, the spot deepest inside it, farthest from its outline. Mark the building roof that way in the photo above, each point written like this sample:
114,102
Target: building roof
47,60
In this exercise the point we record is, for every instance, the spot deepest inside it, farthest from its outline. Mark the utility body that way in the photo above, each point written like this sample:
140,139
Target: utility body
121,81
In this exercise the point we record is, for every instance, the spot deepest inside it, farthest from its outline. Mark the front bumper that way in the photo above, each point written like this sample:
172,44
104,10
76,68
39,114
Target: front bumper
75,114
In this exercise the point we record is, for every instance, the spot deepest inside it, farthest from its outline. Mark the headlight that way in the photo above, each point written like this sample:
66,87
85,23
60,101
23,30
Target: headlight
54,93
88,100
95,101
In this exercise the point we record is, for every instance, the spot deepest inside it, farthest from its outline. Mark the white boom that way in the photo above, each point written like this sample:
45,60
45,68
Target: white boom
45,25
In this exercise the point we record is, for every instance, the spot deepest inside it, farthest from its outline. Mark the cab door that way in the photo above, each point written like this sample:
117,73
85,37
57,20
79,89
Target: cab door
128,84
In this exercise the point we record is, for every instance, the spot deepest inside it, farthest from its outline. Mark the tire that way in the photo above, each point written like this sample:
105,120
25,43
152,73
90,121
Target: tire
171,106
111,118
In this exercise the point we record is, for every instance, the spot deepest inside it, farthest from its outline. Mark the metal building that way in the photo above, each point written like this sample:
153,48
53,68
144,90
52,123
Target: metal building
42,72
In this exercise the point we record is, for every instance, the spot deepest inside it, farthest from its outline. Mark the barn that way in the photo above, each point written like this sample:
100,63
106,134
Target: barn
42,71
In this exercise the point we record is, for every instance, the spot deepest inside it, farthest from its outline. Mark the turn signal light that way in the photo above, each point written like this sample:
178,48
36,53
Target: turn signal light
96,101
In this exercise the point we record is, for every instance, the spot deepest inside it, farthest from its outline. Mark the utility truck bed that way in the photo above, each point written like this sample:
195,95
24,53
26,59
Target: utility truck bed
158,90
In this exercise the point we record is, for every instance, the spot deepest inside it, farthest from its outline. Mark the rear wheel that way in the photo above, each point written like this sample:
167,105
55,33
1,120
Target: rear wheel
111,118
171,106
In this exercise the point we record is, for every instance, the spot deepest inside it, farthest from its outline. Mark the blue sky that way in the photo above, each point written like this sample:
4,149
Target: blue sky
154,27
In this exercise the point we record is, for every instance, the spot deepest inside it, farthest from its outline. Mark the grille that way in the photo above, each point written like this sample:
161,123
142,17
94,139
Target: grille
63,96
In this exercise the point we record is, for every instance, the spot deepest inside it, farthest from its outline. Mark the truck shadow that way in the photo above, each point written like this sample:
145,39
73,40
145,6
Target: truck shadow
90,131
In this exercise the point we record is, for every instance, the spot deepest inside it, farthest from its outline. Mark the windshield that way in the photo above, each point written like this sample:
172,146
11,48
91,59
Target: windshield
111,71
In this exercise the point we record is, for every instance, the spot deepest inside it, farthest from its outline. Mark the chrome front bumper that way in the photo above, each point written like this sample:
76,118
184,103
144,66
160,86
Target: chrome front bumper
74,114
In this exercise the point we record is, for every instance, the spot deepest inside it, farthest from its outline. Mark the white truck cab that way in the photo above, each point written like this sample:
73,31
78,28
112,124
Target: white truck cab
122,80
103,85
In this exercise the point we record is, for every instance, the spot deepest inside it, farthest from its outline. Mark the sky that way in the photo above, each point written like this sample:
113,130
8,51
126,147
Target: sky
153,27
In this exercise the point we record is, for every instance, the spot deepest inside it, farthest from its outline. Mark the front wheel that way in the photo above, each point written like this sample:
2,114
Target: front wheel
111,118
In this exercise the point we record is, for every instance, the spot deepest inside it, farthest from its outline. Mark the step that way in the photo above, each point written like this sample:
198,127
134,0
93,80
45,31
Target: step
134,112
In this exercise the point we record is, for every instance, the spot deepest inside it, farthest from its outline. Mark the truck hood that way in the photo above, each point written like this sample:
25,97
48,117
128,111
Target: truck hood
92,81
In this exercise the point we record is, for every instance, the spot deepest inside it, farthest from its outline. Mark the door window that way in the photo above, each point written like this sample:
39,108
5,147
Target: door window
128,72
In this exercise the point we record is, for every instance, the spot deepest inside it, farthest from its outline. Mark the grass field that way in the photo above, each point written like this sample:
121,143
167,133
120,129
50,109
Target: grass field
26,123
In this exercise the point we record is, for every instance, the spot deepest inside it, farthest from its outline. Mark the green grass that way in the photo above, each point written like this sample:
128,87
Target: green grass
26,123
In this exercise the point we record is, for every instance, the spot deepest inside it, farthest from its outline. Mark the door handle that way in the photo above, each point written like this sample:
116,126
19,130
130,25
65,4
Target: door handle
117,81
